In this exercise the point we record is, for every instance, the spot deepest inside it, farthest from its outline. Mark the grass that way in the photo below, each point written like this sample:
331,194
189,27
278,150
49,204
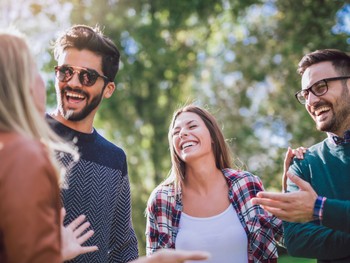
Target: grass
289,259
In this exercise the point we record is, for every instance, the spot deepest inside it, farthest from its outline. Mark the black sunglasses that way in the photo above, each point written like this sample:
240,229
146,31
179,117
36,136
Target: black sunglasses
318,89
87,77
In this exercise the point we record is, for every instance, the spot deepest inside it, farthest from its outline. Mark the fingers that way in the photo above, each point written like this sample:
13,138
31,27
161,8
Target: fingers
194,255
284,182
280,213
63,214
76,222
274,203
79,230
285,197
288,157
303,185
74,235
287,160
299,152
176,256
85,236
290,154
85,250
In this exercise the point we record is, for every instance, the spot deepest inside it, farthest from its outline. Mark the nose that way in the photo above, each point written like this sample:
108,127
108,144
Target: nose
183,133
312,99
75,81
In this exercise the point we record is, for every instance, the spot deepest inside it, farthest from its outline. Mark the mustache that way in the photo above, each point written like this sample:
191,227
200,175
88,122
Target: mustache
320,104
79,91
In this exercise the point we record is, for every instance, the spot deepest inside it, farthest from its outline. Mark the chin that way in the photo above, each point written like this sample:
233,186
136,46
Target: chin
324,128
70,115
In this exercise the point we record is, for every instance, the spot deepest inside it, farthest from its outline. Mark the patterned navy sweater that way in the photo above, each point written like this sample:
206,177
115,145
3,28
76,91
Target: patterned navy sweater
98,186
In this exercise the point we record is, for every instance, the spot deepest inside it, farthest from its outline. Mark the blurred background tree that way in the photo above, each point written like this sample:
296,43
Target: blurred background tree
236,58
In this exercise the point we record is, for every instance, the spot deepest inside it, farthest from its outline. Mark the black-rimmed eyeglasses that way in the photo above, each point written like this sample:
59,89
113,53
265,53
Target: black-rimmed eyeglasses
318,89
87,77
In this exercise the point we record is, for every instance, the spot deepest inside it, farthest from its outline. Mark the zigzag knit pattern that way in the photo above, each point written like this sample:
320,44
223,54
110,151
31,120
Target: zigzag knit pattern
98,187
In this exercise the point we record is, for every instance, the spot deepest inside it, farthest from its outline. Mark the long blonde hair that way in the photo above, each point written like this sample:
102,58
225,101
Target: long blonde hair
17,108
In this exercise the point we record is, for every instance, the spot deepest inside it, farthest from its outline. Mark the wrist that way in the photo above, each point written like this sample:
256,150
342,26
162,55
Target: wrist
318,208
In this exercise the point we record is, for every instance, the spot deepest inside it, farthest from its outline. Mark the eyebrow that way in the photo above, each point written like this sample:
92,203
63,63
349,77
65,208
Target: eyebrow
78,67
308,87
187,123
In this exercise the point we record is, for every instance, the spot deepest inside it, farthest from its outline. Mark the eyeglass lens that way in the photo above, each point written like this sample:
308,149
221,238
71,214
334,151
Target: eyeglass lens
86,77
318,89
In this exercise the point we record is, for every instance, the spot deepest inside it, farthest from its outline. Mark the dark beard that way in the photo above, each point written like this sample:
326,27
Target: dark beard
341,117
79,116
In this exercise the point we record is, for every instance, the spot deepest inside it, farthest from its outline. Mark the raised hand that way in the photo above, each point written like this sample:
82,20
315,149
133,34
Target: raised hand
73,236
293,206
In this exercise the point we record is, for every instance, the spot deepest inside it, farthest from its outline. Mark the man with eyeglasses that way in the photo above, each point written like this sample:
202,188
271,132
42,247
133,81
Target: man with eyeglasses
98,184
316,207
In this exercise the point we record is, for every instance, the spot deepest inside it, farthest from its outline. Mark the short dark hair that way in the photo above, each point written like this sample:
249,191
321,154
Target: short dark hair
340,60
85,37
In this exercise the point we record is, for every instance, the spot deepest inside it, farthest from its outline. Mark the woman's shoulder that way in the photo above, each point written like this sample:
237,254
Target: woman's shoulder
21,151
25,160
14,142
241,177
163,191
163,194
237,174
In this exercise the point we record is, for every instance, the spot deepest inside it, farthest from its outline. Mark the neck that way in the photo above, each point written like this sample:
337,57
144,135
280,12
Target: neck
340,133
202,178
84,126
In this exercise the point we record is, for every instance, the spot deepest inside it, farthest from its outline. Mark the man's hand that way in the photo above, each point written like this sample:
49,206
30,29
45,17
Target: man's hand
173,256
73,237
294,206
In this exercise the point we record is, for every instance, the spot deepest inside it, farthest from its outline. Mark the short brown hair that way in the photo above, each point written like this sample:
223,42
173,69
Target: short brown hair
340,60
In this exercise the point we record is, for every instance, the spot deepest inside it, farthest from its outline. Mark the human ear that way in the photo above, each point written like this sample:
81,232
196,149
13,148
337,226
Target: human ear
109,90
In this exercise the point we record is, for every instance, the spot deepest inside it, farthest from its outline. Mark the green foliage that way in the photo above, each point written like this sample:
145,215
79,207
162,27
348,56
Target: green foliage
288,259
236,58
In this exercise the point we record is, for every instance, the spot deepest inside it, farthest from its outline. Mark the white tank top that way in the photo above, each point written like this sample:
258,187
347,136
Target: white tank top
221,235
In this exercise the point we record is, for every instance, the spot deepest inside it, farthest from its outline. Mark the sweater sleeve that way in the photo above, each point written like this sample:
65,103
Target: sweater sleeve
29,205
336,215
124,249
313,240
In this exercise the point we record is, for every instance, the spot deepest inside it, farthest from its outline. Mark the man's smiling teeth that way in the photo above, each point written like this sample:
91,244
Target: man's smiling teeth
75,95
187,144
320,110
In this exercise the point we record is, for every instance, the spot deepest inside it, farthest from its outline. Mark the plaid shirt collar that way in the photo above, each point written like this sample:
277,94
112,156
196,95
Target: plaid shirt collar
339,140
178,194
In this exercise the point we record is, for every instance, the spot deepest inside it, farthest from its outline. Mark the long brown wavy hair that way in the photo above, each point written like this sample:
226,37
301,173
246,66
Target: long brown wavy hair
222,154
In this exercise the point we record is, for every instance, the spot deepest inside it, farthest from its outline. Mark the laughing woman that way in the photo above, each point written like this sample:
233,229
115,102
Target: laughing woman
204,204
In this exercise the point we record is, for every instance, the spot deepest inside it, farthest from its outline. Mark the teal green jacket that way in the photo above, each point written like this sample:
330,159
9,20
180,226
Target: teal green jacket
326,166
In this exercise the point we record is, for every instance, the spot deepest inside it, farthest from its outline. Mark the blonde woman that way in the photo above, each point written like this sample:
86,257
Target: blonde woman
30,206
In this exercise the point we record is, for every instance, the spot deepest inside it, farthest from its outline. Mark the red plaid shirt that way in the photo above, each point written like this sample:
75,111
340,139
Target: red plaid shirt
263,229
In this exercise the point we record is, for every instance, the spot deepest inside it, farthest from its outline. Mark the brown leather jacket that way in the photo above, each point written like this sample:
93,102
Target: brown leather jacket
29,203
